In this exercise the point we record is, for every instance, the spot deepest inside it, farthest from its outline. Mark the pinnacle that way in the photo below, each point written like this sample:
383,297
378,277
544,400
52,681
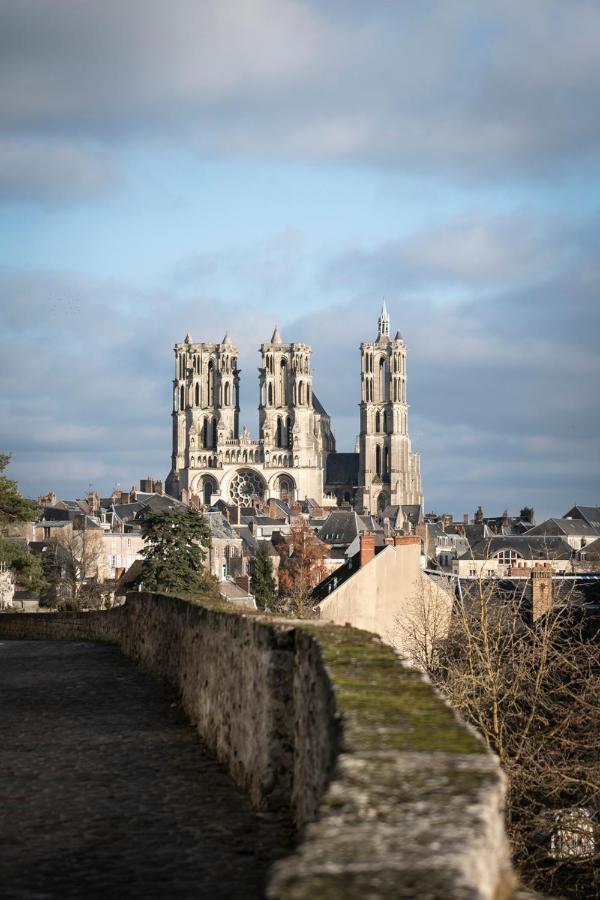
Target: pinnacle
276,339
226,340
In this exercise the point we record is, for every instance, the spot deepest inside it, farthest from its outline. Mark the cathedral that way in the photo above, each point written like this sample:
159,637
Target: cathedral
294,456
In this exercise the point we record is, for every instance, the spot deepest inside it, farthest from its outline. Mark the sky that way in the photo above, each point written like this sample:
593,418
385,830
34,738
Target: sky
226,165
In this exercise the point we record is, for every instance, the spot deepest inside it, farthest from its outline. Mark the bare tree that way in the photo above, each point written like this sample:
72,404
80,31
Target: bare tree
530,685
76,568
422,626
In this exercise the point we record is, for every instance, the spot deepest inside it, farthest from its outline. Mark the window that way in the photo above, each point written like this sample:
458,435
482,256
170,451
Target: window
507,557
197,394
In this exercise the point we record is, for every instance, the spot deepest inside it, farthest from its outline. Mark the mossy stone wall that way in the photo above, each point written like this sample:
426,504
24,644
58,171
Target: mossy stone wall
392,795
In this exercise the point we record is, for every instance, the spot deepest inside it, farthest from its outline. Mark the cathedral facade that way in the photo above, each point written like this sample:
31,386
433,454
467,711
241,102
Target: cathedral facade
294,456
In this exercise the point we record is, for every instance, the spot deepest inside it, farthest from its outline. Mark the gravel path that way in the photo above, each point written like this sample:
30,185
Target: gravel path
106,790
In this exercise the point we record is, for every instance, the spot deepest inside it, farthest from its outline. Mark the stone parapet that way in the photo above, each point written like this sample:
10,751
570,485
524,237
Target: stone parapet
392,795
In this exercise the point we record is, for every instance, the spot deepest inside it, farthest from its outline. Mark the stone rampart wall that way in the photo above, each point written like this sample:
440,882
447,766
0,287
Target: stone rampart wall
392,795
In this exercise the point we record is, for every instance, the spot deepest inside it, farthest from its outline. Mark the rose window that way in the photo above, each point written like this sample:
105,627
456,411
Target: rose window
246,484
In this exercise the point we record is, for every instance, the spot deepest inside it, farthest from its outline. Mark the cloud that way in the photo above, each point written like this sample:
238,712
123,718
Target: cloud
503,366
493,89
43,170
475,251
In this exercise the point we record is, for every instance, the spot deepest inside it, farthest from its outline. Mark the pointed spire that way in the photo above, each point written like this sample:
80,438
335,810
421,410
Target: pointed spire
398,337
384,322
276,339
188,338
226,340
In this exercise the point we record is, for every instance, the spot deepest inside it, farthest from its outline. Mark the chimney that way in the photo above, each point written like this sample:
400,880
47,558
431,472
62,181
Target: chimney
243,581
541,590
401,539
465,518
367,548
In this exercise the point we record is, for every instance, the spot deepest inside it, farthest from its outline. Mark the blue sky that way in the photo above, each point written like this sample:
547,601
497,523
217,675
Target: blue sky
225,165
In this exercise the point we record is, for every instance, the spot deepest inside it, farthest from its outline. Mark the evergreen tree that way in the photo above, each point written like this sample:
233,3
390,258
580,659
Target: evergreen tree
176,545
263,583
13,507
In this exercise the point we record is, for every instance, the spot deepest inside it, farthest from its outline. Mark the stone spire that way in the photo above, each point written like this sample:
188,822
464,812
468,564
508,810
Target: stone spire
227,340
384,322
276,339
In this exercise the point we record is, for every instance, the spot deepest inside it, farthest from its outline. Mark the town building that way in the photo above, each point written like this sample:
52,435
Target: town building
294,456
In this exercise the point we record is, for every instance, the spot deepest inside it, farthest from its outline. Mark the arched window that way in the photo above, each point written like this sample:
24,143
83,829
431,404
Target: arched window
301,394
382,379
385,424
377,421
279,437
378,460
386,461
208,490
227,394
508,557
205,432
214,433
211,384
283,382
270,395
197,398
288,429
182,398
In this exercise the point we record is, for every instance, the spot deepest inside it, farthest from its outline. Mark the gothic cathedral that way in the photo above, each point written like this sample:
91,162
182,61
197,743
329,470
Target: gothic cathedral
294,457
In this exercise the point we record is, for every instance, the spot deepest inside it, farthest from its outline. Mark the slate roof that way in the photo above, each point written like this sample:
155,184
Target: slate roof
591,551
473,533
127,512
341,527
591,514
220,527
566,526
342,468
318,406
398,515
248,539
337,578
527,546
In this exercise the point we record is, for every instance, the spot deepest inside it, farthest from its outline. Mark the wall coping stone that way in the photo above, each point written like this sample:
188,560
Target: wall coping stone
392,794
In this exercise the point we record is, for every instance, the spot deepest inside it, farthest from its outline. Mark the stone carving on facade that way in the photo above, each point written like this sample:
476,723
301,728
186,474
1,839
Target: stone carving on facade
205,403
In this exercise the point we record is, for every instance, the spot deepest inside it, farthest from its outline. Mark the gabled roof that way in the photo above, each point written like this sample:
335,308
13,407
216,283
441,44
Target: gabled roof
590,514
333,581
565,526
341,527
318,406
398,515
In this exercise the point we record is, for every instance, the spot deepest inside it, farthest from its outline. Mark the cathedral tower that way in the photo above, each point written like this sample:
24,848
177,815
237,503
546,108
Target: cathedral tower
389,472
286,413
205,402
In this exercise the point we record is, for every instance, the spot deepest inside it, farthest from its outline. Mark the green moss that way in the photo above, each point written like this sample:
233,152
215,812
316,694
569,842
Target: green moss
385,705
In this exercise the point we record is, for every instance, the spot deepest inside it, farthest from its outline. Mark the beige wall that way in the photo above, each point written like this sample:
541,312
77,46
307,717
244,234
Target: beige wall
119,551
392,597
482,568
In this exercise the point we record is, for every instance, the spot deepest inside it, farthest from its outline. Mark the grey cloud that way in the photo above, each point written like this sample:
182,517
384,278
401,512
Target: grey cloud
478,251
42,170
478,90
